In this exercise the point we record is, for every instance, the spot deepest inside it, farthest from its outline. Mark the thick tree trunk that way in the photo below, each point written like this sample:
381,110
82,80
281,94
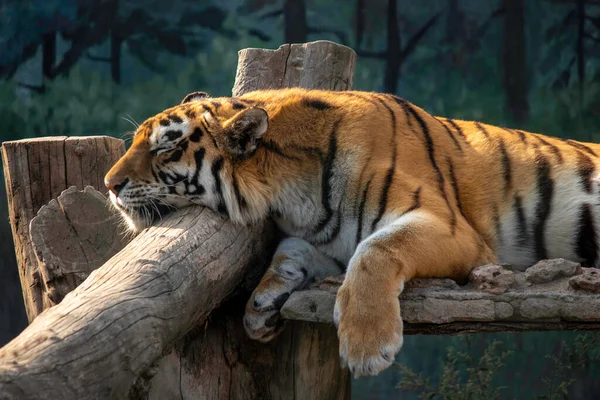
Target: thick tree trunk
514,60
38,170
315,65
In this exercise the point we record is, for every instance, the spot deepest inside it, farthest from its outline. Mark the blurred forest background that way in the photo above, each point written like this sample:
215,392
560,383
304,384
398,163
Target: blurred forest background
83,67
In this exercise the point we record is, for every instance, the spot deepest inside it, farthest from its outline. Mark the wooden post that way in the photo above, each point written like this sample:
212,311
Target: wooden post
221,362
38,170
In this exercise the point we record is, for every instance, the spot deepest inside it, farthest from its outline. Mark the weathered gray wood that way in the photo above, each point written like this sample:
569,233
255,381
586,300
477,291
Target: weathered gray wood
73,235
315,65
221,362
38,170
544,297
103,338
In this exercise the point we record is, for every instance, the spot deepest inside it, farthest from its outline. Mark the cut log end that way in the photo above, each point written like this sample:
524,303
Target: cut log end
73,235
315,65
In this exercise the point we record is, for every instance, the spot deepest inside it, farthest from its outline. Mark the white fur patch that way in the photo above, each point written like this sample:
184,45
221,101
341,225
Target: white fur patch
513,249
160,139
563,225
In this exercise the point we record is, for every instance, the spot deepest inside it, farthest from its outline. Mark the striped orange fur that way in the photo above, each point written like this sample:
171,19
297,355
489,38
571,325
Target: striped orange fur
365,183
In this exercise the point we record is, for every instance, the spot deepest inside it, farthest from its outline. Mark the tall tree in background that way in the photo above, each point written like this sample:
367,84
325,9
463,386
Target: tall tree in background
143,25
294,25
395,54
584,23
514,60
48,53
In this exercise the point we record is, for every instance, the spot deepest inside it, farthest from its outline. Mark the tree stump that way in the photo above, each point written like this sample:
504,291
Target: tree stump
38,170
315,65
73,235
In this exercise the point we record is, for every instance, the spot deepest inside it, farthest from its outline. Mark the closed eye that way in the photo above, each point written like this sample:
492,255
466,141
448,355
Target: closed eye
160,150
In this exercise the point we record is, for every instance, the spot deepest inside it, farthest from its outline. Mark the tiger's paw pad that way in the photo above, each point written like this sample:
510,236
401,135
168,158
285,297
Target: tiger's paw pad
262,320
368,344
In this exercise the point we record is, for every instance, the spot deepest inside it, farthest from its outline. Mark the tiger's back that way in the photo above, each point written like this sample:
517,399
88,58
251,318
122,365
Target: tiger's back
367,184
527,196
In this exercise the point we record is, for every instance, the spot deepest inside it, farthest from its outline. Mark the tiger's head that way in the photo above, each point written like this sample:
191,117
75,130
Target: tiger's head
186,155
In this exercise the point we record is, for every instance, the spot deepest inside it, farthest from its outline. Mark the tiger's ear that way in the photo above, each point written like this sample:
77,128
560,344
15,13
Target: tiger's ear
244,131
195,96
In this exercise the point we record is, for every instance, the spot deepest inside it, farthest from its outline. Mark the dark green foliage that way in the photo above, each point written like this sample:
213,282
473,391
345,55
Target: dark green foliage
532,365
464,375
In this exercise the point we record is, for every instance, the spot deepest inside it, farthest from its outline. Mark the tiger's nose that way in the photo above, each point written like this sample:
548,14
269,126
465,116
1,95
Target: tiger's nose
115,185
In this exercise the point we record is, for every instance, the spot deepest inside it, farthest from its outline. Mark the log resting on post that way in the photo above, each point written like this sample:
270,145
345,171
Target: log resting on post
106,333
106,338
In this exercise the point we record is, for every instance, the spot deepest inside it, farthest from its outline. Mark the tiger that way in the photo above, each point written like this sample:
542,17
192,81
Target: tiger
367,185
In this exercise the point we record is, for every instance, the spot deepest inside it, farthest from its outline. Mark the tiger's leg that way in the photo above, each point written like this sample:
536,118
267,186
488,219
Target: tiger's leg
294,264
367,310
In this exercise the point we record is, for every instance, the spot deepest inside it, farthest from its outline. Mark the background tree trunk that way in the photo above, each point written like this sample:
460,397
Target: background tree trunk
294,21
514,61
360,23
48,54
115,55
394,57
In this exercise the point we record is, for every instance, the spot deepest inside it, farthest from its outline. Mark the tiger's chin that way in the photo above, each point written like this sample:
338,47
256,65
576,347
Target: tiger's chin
141,217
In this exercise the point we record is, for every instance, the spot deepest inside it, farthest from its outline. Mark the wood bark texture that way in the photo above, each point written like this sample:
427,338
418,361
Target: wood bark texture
551,295
101,341
314,65
221,362
35,172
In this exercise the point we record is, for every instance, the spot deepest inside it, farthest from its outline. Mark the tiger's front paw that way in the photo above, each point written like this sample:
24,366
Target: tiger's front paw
262,320
369,330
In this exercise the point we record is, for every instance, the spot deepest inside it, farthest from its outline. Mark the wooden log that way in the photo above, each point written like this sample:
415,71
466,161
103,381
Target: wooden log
551,295
35,172
106,338
221,362
101,340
